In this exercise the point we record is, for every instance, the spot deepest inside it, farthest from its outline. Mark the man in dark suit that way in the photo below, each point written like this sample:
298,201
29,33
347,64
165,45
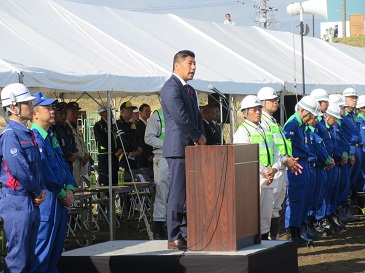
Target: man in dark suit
145,159
183,127
211,133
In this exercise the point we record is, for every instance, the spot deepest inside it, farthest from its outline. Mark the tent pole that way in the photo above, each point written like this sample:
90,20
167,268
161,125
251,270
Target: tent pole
112,227
302,47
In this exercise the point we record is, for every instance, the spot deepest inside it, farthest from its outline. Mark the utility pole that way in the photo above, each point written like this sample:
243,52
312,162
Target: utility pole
343,18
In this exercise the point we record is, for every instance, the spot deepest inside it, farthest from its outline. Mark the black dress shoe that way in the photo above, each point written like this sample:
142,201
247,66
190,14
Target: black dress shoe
179,244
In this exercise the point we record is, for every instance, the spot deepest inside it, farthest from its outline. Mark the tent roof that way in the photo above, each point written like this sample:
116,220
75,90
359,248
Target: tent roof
66,46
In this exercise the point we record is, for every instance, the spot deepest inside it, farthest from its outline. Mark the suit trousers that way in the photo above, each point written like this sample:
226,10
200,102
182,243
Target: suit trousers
162,181
176,208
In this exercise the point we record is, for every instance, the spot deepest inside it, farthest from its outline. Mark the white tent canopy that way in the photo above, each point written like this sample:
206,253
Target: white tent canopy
62,46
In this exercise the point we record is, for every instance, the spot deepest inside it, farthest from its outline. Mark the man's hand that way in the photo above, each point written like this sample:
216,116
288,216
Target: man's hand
118,152
73,157
270,175
352,161
68,200
40,198
293,165
345,160
85,159
201,141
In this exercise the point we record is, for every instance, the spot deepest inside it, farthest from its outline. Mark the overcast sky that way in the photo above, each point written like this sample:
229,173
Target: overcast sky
242,12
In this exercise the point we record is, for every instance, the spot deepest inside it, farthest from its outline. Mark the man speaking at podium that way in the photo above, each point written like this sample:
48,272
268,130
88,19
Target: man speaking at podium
183,127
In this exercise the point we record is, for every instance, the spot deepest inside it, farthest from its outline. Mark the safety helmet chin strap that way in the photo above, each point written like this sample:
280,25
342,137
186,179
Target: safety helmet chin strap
15,103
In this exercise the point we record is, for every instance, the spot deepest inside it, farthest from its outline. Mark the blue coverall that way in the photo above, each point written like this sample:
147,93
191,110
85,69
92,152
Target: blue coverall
297,184
350,129
21,182
360,185
344,188
322,159
58,179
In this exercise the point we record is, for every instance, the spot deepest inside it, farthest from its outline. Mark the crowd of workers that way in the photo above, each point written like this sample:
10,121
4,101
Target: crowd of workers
314,161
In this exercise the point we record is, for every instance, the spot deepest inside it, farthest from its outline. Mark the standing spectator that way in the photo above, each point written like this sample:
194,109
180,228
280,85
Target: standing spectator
82,153
250,131
22,183
59,186
102,140
154,136
211,133
270,104
228,20
64,135
127,136
298,184
351,131
184,127
145,159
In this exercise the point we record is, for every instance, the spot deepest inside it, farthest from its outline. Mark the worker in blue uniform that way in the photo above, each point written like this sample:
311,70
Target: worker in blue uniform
350,129
22,184
348,160
318,162
360,185
294,129
329,208
59,184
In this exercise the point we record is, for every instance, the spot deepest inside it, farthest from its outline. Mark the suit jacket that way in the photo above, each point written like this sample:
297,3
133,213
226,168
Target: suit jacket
213,137
183,121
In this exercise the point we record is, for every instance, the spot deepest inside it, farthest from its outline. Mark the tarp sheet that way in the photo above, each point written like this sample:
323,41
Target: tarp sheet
68,47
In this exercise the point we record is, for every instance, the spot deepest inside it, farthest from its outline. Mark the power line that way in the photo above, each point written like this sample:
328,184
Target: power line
193,6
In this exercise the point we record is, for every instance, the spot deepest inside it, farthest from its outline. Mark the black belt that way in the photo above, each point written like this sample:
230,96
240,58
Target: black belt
316,165
357,145
304,159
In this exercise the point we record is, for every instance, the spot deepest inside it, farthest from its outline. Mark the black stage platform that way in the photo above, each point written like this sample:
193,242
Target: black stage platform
153,256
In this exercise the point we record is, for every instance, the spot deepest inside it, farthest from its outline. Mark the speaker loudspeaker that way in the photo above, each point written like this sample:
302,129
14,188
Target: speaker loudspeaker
314,7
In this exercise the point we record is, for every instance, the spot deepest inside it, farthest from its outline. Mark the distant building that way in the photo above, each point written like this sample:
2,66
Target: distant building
354,9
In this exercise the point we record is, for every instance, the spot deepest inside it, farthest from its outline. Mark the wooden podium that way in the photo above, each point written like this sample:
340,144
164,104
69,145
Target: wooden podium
222,197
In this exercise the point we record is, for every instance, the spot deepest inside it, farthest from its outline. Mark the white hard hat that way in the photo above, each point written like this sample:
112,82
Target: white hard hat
349,92
334,110
267,93
14,93
250,101
337,98
310,104
360,101
319,94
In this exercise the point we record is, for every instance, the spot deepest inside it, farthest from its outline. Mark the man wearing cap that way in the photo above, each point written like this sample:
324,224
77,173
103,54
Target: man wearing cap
59,184
127,136
250,131
22,189
350,129
184,127
102,141
270,104
294,129
82,153
64,135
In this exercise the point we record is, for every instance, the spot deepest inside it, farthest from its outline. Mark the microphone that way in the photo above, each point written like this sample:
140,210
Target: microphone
211,87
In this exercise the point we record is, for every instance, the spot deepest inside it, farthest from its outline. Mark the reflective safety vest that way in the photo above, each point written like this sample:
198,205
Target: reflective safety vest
282,144
265,141
162,121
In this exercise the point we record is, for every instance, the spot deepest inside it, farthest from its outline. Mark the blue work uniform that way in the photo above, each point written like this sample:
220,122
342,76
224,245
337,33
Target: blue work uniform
350,129
297,184
58,179
360,185
21,182
344,188
317,164
339,153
